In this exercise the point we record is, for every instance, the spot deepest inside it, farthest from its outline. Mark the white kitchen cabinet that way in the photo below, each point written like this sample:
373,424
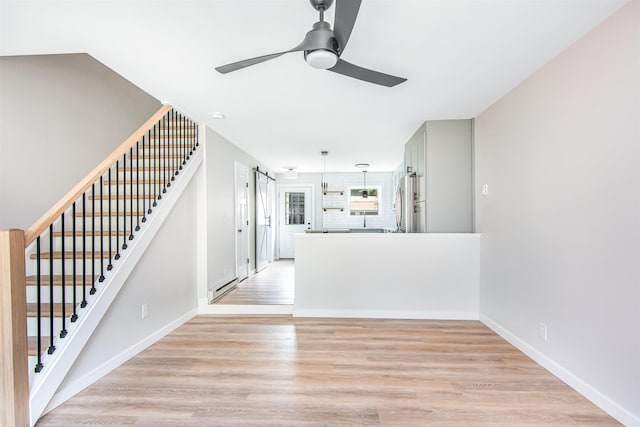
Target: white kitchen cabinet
440,153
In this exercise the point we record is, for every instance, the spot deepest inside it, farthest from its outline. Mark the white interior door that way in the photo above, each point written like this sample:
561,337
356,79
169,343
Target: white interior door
242,221
264,229
295,205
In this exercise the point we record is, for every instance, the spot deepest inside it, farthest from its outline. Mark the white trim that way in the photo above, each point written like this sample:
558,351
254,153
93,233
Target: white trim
57,365
386,314
579,385
201,253
62,395
242,168
205,308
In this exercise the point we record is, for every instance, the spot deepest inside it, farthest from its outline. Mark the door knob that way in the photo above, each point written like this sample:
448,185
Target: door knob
240,231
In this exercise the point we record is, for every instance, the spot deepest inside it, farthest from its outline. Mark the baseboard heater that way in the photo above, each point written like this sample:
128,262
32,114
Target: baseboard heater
224,289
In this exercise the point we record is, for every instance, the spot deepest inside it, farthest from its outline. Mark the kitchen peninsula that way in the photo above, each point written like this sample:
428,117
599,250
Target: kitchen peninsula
387,275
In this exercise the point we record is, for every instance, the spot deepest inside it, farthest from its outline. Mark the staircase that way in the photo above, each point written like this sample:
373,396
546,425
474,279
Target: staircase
79,254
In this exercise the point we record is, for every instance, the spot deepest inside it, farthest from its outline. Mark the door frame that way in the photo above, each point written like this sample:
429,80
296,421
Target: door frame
280,206
245,236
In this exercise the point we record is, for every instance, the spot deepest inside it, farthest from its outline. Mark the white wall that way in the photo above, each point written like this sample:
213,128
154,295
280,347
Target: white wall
561,242
165,278
60,116
387,275
221,156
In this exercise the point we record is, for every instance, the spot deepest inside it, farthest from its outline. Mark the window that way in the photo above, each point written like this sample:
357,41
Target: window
293,208
364,202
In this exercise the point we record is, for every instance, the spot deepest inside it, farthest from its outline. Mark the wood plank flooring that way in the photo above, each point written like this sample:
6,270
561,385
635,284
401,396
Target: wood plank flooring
284,371
273,285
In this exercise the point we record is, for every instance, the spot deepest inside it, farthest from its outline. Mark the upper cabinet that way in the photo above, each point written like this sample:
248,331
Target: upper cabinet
440,154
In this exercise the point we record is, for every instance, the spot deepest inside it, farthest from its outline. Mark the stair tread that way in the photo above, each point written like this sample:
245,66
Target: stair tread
145,181
57,280
156,156
90,233
145,169
32,345
106,214
187,134
163,146
69,255
32,309
121,197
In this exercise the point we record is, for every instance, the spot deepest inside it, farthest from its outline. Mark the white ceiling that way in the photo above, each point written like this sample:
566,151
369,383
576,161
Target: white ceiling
459,57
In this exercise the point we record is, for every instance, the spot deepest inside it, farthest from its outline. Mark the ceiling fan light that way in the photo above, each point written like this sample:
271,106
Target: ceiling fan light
321,58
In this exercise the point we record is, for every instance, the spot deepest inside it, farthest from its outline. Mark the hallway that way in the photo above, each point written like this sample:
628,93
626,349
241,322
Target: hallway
273,285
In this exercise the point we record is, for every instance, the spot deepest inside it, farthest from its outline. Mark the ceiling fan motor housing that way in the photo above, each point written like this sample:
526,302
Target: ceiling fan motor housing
321,37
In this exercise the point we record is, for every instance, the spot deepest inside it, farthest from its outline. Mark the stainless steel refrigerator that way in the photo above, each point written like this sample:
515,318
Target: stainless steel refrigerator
405,203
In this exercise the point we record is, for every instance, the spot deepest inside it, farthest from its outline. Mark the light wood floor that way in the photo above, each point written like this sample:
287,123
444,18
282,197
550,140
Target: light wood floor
273,285
284,371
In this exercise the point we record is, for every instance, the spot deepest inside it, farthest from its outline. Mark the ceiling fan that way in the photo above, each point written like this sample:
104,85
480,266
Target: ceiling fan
324,47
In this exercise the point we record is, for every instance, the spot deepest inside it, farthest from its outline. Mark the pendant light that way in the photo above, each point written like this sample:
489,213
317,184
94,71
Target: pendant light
365,193
325,186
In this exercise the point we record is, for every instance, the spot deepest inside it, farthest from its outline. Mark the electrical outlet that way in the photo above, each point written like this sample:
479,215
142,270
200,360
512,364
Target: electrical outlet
542,330
485,189
145,310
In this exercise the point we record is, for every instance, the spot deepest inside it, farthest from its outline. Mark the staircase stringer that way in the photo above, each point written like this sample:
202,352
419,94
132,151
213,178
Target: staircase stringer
46,383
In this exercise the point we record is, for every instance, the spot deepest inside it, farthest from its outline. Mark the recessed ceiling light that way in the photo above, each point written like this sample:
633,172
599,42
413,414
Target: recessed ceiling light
218,115
362,165
291,173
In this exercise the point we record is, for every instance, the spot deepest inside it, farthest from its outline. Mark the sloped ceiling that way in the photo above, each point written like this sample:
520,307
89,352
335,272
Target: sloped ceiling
460,56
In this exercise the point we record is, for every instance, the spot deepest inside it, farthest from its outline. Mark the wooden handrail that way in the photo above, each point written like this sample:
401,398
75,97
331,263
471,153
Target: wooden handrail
63,204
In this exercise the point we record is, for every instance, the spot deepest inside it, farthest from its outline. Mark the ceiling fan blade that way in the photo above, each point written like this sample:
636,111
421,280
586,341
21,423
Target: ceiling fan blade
347,69
345,17
224,69
310,42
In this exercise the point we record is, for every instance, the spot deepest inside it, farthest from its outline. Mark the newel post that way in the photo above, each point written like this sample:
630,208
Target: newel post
14,375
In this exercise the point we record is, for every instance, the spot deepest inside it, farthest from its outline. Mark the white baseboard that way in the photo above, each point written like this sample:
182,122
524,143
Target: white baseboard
599,399
387,314
206,308
64,394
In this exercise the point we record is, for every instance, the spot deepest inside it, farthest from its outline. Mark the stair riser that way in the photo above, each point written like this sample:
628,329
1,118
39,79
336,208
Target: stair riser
172,143
32,326
154,167
147,183
154,161
137,163
91,223
31,362
142,174
90,242
138,205
57,269
57,292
